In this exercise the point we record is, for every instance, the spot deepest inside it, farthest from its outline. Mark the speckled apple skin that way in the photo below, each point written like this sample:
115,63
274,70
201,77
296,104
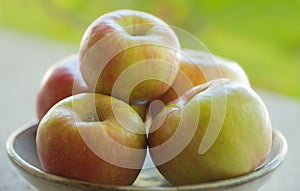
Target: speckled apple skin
68,140
117,42
198,67
242,144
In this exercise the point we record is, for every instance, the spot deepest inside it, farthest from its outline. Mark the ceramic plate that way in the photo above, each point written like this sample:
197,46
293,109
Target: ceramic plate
21,149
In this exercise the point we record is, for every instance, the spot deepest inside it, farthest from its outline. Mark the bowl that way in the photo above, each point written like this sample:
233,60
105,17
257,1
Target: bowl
21,150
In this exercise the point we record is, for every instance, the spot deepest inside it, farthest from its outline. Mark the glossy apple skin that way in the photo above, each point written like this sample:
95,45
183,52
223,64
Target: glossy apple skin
76,129
198,67
61,80
131,55
242,142
141,109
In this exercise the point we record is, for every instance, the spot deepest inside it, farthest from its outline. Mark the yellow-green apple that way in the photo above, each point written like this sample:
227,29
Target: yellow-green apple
141,109
214,131
94,138
129,54
61,80
198,67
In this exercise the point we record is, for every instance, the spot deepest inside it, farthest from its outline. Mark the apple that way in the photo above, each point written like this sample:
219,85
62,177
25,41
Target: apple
94,138
61,80
217,130
198,67
141,109
64,79
131,55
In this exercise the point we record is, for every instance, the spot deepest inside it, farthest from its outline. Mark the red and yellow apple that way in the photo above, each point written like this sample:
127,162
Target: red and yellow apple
94,138
217,130
61,80
214,126
131,55
198,67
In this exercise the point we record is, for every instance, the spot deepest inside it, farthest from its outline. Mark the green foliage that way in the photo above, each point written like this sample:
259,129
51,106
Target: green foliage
262,36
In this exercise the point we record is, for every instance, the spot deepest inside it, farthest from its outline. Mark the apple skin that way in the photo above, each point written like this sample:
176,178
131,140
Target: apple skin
75,130
198,67
119,46
141,109
240,144
61,80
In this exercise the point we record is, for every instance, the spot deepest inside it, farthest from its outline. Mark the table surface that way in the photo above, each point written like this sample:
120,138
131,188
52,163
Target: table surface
23,61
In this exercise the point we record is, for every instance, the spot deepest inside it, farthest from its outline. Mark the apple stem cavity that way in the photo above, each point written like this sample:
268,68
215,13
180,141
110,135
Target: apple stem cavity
138,29
190,94
92,118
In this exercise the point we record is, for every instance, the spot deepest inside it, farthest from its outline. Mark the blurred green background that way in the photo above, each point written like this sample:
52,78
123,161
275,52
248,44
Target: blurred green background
263,36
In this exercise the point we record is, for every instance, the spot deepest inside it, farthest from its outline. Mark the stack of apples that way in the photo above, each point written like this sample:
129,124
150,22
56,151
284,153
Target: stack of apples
206,122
